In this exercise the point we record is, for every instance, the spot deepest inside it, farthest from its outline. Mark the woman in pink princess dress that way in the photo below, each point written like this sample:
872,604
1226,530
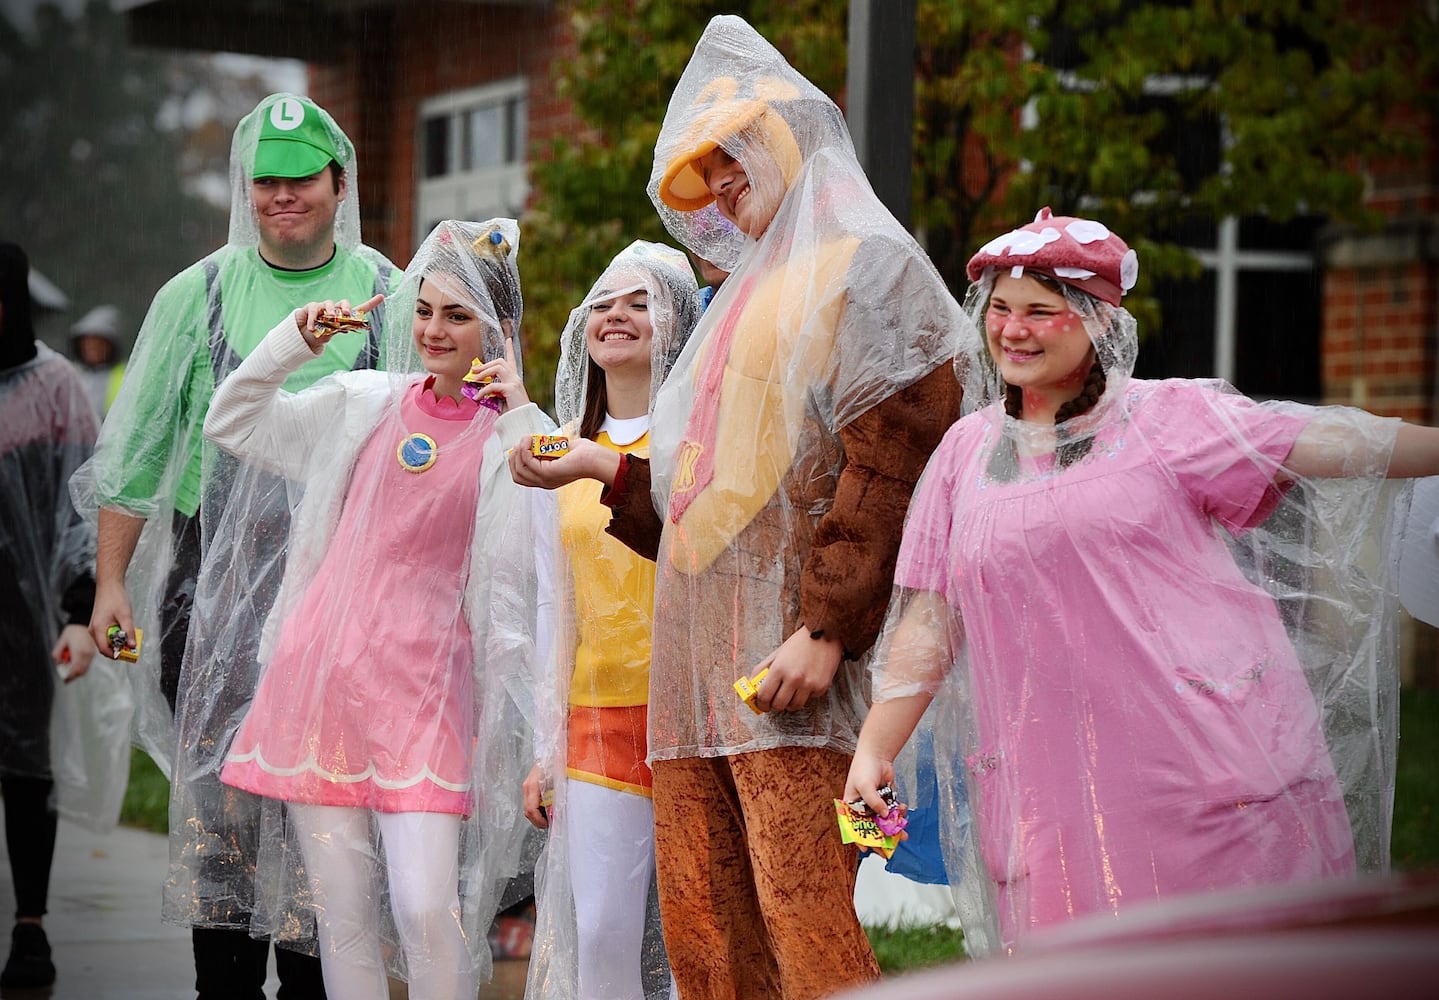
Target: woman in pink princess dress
1149,605
406,612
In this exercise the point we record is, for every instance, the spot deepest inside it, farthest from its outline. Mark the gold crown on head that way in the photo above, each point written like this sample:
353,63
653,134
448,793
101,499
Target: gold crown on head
492,244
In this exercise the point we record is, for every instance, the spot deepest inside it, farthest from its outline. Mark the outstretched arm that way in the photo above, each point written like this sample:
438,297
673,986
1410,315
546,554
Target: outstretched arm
1416,452
584,460
252,417
1330,450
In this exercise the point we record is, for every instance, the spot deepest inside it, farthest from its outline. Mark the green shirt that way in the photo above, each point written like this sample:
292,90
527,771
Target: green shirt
150,453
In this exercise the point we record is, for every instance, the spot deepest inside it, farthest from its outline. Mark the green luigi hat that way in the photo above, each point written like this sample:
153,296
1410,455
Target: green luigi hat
294,141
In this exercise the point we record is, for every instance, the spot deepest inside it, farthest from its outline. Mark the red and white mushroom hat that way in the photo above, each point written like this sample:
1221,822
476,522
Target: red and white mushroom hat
1079,252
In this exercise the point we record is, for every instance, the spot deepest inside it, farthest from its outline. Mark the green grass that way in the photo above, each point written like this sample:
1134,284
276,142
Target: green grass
147,796
905,949
1415,845
1416,785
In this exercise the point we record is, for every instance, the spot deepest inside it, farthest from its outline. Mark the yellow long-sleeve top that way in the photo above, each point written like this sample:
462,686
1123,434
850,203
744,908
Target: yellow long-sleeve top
613,600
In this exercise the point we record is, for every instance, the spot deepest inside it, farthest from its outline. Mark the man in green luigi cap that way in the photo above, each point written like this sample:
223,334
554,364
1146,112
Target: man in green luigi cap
160,493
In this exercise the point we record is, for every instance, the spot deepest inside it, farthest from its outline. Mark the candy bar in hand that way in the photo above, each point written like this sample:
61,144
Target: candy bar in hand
748,689
549,445
330,322
891,822
120,643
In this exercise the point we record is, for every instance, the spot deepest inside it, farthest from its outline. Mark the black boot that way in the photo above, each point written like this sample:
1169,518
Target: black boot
29,964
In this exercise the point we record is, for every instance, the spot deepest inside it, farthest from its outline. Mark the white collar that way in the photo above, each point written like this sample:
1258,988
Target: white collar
626,431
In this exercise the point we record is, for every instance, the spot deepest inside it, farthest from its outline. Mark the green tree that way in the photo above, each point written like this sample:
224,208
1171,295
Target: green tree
90,184
592,202
1084,107
1285,100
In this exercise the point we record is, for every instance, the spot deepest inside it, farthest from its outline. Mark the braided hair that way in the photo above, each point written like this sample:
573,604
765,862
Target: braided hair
1068,452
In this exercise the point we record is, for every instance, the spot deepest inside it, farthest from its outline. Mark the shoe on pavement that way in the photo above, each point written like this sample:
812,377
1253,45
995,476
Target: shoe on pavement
29,964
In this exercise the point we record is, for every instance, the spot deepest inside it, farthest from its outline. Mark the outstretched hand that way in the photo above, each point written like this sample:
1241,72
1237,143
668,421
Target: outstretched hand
585,460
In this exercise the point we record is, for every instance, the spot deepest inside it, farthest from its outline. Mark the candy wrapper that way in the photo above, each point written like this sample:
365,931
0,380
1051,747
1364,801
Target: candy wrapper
549,445
328,322
748,689
858,825
474,383
119,643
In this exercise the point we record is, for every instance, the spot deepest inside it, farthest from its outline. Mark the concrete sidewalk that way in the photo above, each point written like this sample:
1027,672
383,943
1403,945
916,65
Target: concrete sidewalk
104,924
104,921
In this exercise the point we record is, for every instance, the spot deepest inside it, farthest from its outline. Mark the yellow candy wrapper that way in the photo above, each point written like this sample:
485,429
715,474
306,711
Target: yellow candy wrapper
474,377
748,687
861,828
122,651
549,445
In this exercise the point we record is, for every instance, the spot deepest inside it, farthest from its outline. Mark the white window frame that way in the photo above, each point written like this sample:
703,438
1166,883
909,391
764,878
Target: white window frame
487,192
1227,259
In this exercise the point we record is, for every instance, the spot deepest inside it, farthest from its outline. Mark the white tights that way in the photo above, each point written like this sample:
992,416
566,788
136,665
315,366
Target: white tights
422,852
611,865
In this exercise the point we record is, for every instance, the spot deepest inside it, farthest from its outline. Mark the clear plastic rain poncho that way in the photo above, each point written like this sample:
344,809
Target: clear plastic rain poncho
392,675
77,734
828,312
597,684
151,461
1163,662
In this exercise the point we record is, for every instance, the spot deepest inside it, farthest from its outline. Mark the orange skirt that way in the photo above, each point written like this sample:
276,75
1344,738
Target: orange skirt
608,746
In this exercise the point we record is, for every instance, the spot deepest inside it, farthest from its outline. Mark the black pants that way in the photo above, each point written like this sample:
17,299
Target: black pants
230,965
30,822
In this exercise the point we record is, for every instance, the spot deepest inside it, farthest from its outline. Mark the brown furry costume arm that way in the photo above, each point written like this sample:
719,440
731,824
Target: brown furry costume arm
634,520
846,582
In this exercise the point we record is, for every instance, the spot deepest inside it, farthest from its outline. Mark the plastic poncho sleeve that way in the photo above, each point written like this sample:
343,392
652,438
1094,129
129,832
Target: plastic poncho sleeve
924,558
532,516
1228,454
153,420
252,418
850,568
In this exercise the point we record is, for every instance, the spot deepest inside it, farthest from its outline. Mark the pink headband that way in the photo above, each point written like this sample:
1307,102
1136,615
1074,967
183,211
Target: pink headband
1078,252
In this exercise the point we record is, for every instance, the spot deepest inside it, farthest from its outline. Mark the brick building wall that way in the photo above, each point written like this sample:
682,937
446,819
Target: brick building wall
433,47
1380,339
1380,344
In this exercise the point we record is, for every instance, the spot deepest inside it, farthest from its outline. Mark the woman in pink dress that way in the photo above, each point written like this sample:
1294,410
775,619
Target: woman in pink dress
394,660
1169,655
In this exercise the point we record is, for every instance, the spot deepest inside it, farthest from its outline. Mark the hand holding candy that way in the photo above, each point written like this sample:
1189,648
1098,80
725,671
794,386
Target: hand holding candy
474,382
122,647
893,821
318,321
496,383
859,824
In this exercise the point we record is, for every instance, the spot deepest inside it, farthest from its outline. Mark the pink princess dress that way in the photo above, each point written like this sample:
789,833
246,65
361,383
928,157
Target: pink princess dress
1140,725
368,700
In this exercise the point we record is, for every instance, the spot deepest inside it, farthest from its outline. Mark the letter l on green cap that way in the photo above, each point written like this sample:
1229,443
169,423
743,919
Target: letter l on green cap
294,141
